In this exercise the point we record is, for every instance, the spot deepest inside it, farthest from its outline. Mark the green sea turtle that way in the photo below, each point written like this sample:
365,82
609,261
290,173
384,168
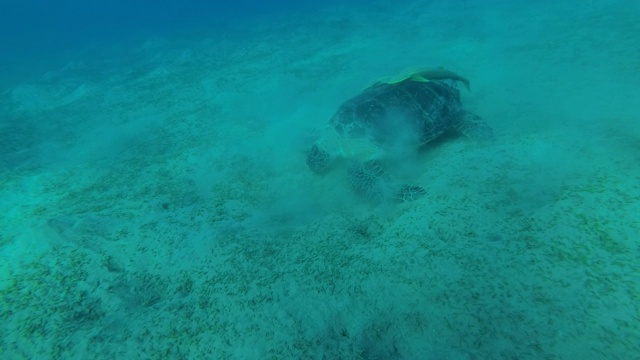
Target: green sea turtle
423,75
389,118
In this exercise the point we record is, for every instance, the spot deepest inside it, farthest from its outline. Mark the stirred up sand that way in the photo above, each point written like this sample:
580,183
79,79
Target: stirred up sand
158,206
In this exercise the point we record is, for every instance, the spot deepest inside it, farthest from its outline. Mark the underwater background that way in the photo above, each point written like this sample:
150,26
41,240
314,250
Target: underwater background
155,202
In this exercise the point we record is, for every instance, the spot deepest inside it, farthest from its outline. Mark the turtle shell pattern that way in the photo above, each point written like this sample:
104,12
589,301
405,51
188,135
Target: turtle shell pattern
386,113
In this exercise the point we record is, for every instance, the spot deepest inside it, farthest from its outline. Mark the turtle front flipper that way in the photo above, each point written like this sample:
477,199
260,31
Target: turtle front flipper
371,180
472,126
318,159
324,151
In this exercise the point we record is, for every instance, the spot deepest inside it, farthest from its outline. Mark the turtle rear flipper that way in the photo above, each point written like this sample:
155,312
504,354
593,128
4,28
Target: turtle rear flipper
371,180
472,126
409,193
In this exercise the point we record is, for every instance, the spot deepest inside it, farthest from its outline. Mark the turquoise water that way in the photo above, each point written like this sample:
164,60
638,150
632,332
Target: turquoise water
156,203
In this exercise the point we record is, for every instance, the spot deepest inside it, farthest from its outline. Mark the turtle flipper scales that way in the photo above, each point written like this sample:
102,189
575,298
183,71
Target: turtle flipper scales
371,180
409,193
318,159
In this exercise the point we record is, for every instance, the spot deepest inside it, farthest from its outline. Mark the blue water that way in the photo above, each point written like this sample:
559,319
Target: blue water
157,203
37,30
35,24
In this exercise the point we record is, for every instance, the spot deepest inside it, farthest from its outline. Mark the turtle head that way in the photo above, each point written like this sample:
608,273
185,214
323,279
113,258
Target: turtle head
319,159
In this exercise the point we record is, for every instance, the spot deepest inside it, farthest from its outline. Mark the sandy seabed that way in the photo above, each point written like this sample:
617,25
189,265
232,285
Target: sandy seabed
158,205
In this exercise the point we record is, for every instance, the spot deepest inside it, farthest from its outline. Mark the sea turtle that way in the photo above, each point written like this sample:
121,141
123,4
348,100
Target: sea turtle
423,75
387,119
